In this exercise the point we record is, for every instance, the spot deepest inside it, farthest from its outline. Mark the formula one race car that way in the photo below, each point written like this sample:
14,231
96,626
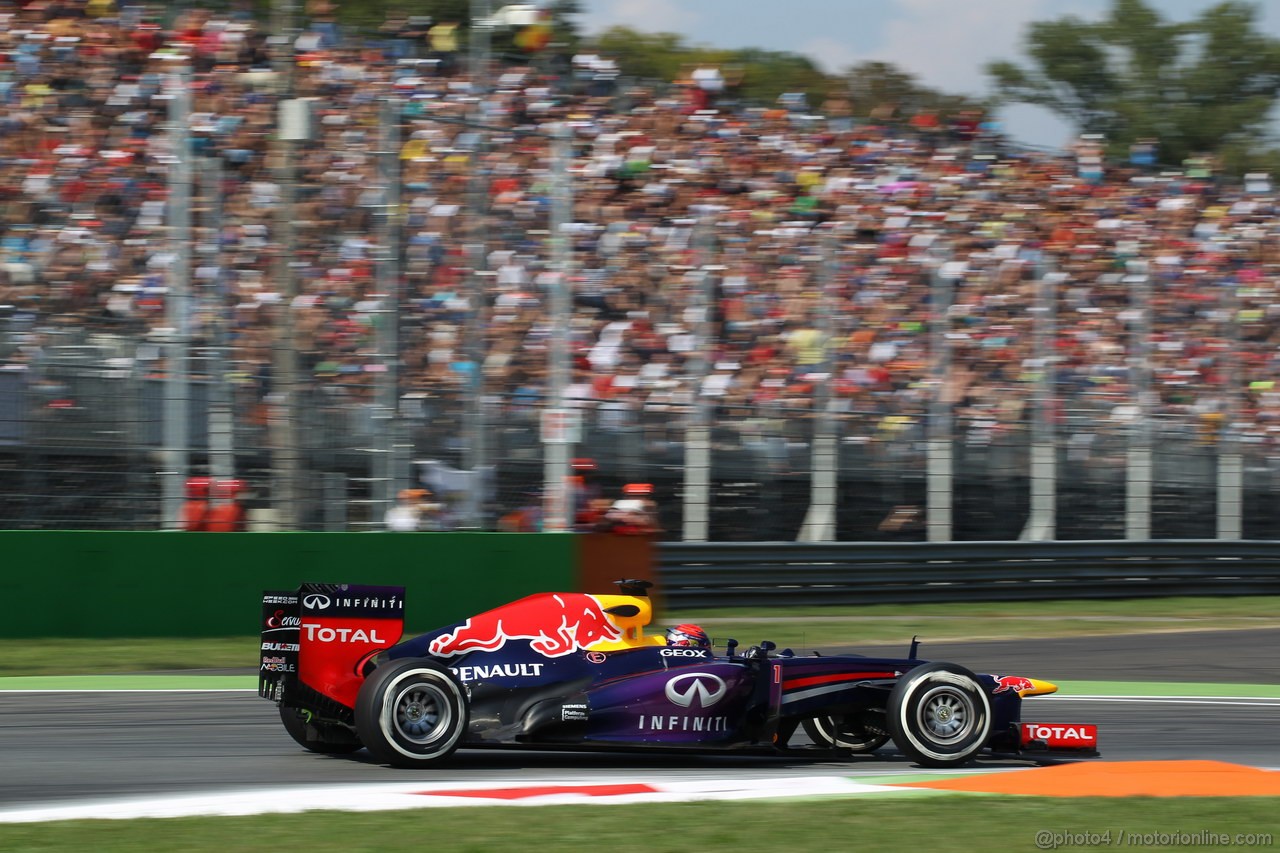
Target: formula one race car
574,671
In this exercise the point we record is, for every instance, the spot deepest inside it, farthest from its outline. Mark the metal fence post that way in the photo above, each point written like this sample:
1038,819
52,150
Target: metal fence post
286,457
557,442
697,441
476,456
388,477
820,520
1137,521
221,423
1230,497
939,475
177,385
1042,519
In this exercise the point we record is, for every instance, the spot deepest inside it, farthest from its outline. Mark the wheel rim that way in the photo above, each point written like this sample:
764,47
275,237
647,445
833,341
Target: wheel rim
421,713
946,715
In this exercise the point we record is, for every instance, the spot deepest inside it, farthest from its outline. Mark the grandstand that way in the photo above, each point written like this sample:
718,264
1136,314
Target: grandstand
879,310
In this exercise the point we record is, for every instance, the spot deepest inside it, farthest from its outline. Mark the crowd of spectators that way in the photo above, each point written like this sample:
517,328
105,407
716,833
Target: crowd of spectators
667,181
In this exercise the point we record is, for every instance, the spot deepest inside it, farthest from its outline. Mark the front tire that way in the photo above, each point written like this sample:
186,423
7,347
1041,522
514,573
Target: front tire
939,715
843,733
325,738
411,713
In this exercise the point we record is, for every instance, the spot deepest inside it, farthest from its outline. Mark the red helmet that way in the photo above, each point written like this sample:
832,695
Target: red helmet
197,488
688,635
227,489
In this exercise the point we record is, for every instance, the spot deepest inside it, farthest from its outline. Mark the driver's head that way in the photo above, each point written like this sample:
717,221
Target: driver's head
688,635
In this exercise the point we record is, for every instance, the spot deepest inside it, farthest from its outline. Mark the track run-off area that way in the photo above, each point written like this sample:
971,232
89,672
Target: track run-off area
1191,714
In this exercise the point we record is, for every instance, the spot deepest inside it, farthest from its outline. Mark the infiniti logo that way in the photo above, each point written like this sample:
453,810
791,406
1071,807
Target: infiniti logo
696,690
315,601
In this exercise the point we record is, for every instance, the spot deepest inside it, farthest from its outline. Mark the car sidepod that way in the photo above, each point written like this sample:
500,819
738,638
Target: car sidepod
644,696
716,702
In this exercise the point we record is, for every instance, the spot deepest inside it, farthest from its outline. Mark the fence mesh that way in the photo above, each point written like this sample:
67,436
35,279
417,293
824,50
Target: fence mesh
82,446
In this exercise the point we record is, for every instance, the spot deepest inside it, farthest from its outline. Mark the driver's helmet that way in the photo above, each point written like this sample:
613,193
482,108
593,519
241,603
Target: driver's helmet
688,635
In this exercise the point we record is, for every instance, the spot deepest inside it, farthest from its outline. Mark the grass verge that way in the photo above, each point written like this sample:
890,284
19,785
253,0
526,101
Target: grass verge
809,627
76,656
936,823
818,627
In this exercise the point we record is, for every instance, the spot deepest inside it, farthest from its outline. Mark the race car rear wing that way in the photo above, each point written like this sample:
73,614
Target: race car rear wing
315,639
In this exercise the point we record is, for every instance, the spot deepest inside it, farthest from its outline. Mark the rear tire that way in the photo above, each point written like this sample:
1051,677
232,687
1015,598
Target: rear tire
843,733
326,738
411,713
939,715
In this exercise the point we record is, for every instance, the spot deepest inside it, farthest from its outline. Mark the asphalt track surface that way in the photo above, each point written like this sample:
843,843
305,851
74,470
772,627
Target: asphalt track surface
61,747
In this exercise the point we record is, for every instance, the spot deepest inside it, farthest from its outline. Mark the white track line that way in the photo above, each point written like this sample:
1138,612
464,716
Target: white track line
409,795
1242,701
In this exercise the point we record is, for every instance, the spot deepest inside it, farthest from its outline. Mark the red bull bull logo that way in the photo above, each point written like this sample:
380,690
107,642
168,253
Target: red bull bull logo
1015,683
555,625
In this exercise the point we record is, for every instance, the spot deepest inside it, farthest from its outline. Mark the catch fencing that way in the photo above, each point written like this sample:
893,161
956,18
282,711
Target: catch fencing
82,447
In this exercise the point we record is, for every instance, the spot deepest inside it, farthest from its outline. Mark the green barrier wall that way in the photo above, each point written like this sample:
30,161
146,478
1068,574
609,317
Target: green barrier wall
142,584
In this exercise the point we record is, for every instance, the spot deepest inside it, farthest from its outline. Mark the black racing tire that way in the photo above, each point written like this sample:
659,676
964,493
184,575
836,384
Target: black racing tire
939,715
326,738
843,733
411,713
